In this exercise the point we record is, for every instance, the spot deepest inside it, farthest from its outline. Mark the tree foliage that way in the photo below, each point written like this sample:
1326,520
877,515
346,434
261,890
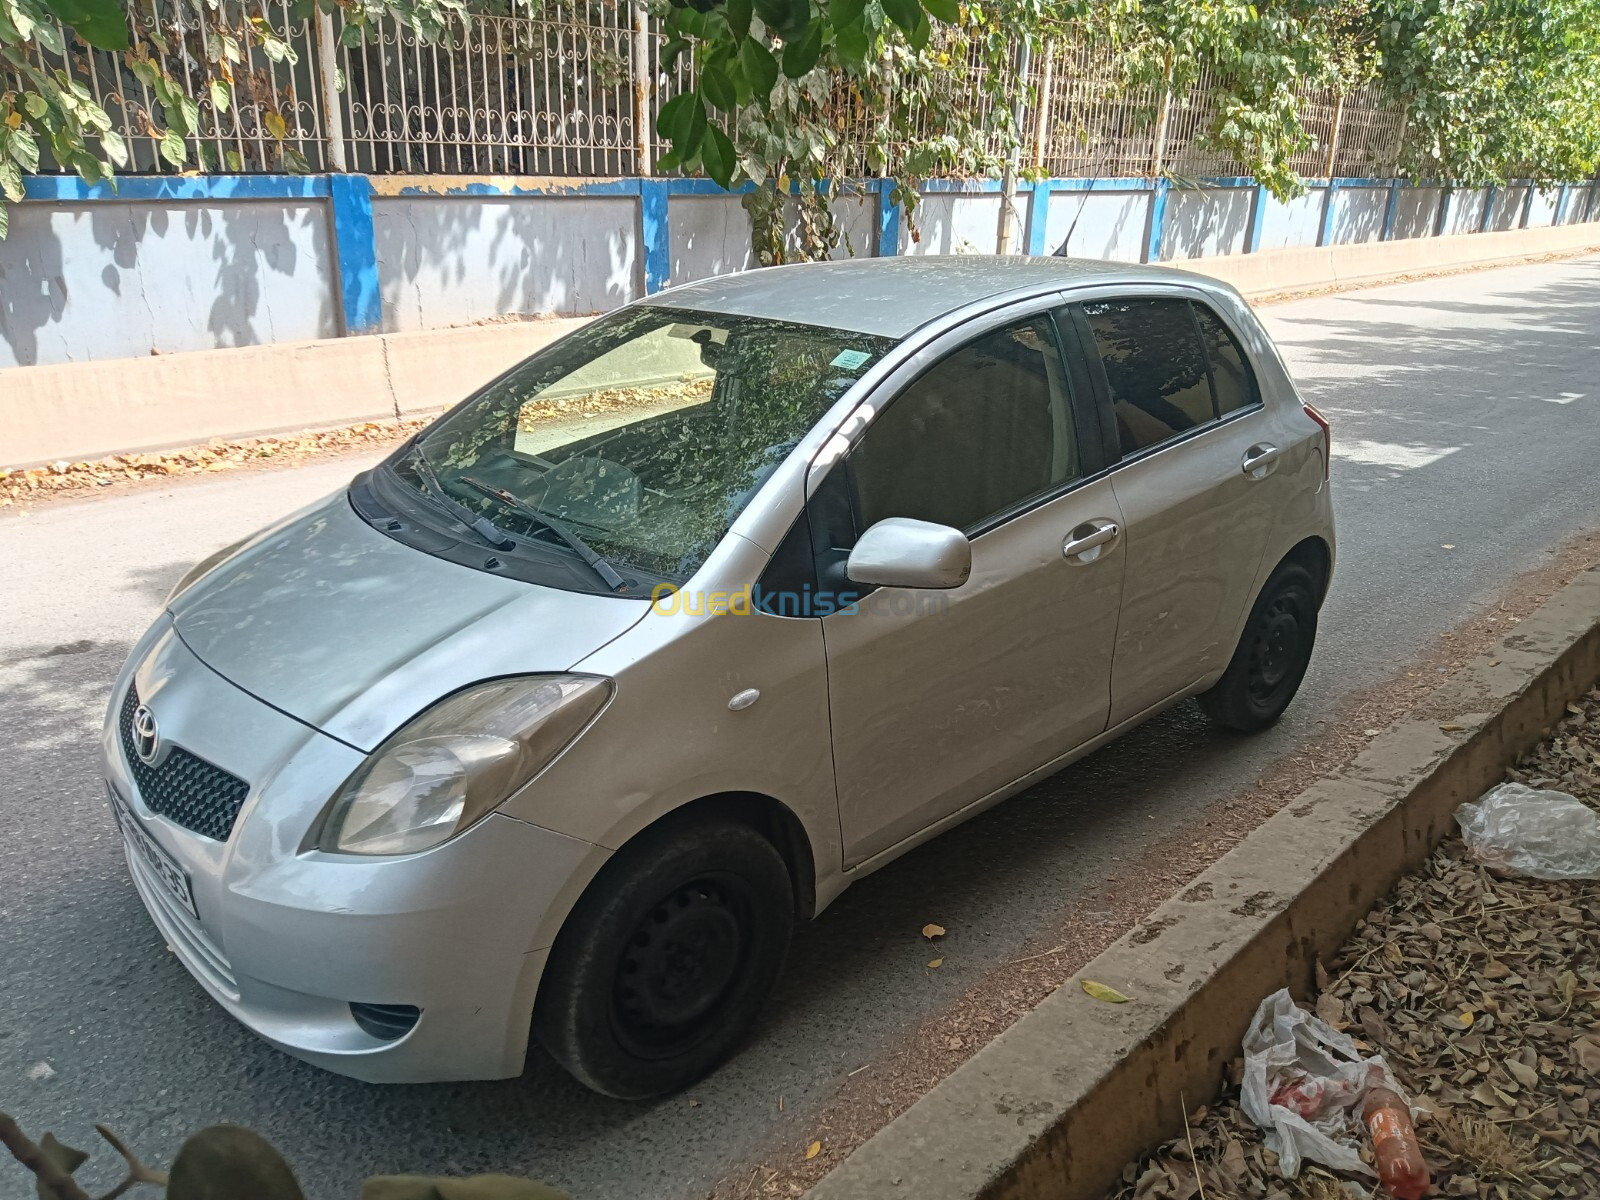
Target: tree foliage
797,97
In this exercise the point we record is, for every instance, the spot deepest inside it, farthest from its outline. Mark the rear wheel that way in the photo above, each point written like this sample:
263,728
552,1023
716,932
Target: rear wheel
667,958
1272,655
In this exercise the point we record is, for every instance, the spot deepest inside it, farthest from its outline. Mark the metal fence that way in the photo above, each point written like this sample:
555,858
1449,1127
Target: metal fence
574,91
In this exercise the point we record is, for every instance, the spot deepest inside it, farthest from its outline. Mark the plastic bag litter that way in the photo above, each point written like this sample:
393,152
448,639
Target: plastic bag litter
1525,831
1304,1085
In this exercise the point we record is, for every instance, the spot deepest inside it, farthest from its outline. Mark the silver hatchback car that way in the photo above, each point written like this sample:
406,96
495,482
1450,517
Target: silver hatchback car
557,721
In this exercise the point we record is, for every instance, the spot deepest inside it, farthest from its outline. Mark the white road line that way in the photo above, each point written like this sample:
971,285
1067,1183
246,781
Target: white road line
1389,454
1564,398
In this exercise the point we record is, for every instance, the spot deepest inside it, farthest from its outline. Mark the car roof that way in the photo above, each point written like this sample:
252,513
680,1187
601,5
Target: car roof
894,296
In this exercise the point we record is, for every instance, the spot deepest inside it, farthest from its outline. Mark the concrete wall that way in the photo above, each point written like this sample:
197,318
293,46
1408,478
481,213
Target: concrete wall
1206,221
458,260
1096,224
1295,223
123,279
1358,214
186,263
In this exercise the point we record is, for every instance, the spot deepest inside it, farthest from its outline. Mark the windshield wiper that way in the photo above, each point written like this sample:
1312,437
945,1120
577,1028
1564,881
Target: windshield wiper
476,522
558,527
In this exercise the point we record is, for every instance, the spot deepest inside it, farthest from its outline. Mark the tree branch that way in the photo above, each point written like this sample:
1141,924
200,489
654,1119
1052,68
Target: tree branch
55,1182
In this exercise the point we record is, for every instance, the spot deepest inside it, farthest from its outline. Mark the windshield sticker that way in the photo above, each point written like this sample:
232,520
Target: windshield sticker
850,359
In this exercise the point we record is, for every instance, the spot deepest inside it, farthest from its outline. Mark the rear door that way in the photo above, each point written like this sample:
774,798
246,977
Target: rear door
939,698
1196,481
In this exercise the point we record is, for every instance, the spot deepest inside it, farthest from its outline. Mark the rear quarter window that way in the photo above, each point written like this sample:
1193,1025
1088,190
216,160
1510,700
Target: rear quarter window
1232,379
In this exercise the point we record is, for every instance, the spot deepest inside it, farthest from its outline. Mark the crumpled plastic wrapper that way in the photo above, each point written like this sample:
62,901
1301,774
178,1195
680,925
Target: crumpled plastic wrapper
1304,1086
1526,831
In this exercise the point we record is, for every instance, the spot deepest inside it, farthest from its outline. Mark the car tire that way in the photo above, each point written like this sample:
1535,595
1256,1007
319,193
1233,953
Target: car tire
1272,654
667,958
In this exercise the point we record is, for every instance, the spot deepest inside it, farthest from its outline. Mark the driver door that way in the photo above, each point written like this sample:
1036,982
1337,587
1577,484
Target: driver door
939,698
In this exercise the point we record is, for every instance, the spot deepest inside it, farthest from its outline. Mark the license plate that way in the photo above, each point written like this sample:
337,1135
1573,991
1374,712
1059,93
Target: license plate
160,864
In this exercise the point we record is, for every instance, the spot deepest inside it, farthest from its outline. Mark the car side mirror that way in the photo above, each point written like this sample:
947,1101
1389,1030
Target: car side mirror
902,552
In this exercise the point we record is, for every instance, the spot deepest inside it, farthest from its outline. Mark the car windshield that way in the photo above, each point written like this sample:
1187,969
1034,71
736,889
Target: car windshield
634,443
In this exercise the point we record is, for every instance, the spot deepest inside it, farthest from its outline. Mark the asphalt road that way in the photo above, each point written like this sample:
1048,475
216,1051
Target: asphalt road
1466,412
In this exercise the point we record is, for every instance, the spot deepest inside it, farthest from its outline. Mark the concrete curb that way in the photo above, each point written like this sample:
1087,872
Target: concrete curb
88,410
1060,1102
126,405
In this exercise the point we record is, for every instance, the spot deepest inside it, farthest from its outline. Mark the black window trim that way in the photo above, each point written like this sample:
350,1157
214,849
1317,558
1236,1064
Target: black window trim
1106,406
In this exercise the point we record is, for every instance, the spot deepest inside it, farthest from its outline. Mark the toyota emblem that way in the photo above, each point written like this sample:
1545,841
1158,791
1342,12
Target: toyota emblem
146,737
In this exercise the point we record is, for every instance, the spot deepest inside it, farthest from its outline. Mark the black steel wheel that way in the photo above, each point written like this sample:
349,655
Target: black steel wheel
1273,653
667,958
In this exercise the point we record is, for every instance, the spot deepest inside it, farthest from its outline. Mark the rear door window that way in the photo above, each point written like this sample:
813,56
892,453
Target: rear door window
1155,368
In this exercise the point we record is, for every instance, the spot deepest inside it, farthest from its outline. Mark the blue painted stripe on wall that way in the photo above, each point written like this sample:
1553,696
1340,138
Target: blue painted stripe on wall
1330,197
357,251
69,189
1258,218
1158,220
655,234
888,220
1038,215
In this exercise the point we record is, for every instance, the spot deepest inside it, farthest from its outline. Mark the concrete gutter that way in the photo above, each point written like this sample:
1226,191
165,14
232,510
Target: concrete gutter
78,411
1060,1102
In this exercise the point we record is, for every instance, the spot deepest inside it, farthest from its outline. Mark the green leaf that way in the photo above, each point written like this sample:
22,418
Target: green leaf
36,105
716,155
717,87
947,11
688,126
173,148
101,23
759,67
674,49
921,33
24,150
800,56
843,13
738,13
854,45
5,220
114,148
670,111
1100,991
904,13
773,13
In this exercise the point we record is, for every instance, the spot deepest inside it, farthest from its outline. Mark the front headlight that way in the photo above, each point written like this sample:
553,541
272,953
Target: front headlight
457,762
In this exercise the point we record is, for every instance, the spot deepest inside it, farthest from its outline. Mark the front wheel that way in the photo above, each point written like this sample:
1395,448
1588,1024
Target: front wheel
1272,655
667,959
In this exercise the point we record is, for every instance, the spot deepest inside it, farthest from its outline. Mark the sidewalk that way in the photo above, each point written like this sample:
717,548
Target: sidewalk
1484,996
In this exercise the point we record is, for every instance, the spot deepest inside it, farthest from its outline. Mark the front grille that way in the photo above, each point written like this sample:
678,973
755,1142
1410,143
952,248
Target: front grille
184,789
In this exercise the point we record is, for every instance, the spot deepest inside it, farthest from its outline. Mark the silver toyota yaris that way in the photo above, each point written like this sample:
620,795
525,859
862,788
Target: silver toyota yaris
560,718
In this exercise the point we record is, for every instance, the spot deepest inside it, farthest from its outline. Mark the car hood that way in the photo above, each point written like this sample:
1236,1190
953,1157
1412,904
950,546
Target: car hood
336,624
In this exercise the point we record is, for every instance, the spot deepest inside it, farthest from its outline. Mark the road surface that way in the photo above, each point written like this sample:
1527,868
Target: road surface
1466,413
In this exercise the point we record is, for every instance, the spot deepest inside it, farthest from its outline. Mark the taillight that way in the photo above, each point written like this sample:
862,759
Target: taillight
1327,438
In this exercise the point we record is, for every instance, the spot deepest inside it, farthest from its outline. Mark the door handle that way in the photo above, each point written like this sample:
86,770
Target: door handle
1259,460
1083,544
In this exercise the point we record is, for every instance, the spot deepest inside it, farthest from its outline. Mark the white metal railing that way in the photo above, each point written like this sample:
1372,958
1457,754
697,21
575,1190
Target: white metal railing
574,90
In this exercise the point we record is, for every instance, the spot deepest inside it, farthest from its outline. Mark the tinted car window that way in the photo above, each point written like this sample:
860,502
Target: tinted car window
1234,382
981,431
1155,368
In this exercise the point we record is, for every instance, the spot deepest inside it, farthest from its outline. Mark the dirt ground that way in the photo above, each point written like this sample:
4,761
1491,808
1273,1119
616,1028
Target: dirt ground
1483,995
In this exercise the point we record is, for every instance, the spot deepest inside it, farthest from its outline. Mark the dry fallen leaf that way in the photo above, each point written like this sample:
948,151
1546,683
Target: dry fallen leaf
931,931
937,962
813,1150
1101,992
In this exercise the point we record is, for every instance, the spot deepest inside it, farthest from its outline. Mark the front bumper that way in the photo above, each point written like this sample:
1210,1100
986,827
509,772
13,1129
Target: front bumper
286,939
